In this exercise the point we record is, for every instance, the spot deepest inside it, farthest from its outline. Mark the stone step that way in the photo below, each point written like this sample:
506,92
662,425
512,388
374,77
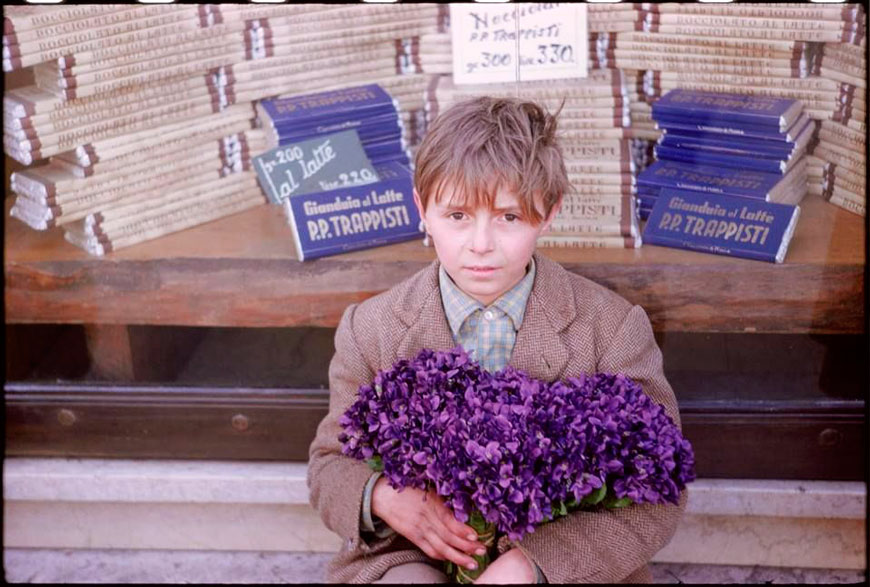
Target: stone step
263,507
223,567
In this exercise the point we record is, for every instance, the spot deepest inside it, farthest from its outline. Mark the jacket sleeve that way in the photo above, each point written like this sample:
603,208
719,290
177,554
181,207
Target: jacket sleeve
336,482
606,546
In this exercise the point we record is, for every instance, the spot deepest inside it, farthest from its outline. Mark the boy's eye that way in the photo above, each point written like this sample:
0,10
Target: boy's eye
457,215
511,217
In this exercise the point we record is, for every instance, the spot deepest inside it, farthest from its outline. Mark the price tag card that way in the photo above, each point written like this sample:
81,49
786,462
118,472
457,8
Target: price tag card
552,38
326,162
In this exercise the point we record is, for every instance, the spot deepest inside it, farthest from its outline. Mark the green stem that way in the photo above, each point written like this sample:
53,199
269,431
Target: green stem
487,537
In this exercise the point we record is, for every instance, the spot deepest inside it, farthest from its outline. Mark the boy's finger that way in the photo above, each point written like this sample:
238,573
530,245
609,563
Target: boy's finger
427,548
462,543
450,553
460,536
453,531
457,527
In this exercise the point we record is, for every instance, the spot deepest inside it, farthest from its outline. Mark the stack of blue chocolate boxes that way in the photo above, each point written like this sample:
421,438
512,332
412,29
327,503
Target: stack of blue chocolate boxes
729,174
368,109
731,144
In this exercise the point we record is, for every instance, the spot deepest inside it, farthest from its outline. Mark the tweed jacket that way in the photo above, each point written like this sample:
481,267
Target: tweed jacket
572,325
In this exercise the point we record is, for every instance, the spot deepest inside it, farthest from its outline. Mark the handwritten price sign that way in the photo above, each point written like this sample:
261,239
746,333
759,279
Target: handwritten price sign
552,39
320,163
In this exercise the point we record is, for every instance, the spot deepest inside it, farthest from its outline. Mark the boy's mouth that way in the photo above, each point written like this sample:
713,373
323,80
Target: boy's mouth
481,269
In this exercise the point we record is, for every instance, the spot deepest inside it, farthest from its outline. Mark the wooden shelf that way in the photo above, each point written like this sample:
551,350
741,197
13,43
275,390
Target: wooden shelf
242,271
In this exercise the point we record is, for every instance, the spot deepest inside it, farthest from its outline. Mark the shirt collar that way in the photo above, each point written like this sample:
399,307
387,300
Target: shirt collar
458,305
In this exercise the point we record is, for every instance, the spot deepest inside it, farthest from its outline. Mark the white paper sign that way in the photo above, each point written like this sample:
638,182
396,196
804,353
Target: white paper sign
553,42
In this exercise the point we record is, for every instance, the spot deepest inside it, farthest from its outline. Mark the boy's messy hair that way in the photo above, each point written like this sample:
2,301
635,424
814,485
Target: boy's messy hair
482,144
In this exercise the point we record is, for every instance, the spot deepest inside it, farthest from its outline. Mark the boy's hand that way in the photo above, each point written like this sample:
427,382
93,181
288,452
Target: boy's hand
428,524
510,567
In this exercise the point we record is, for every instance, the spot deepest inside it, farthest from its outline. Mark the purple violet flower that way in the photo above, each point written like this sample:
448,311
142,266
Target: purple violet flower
514,449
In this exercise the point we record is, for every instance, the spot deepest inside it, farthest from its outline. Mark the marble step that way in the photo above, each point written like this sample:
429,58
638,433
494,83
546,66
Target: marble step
254,506
25,565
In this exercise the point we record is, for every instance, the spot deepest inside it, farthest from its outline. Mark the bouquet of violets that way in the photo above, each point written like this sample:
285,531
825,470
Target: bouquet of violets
509,452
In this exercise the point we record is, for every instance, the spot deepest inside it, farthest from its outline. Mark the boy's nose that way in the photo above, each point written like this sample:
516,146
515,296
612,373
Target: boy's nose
482,239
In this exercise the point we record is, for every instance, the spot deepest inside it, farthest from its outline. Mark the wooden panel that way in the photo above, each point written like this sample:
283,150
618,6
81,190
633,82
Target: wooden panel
242,271
162,422
776,445
731,439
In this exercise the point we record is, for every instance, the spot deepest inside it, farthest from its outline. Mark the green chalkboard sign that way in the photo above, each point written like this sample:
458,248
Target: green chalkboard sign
324,162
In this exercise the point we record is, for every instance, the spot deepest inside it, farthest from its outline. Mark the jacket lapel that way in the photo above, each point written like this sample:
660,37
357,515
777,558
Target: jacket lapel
423,313
539,350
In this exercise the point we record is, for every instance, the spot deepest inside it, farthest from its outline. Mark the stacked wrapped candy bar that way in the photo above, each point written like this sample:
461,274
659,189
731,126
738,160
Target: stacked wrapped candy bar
376,121
838,166
815,53
737,144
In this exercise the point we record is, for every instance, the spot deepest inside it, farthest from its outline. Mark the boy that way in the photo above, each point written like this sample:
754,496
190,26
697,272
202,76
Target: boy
489,179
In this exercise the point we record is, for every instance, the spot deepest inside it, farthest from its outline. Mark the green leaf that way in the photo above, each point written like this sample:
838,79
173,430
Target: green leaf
563,511
376,463
596,496
618,503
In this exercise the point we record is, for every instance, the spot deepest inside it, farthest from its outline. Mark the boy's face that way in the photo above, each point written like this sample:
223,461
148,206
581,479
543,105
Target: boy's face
484,251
